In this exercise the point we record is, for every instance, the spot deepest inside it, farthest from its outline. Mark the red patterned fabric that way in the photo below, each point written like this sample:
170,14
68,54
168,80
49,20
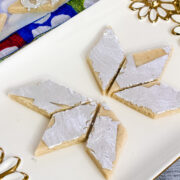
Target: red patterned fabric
13,40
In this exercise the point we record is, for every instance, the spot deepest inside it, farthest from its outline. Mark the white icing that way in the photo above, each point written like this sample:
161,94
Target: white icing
107,57
158,98
4,4
29,5
69,125
48,95
8,51
132,75
102,141
88,3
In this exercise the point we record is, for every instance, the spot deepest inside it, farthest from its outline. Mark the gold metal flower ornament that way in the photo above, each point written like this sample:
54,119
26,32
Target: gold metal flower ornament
158,9
8,168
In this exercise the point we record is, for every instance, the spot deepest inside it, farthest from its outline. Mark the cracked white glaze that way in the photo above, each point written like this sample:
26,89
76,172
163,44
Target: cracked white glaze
131,75
48,95
107,57
28,4
158,98
102,141
70,125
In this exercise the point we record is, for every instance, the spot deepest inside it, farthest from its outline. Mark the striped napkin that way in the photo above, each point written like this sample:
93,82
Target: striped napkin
21,35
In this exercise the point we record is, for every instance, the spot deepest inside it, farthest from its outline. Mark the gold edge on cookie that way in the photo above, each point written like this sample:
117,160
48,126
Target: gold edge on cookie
105,115
67,128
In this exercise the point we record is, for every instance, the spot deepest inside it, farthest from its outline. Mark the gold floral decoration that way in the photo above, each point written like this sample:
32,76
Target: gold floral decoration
8,168
158,9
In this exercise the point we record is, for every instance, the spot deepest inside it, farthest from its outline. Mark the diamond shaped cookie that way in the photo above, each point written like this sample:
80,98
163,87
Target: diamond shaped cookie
105,141
67,128
141,68
47,97
153,100
105,59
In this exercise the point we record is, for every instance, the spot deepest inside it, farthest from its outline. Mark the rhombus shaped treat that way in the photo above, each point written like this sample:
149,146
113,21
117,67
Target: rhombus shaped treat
141,68
67,128
74,119
47,97
155,100
105,141
105,59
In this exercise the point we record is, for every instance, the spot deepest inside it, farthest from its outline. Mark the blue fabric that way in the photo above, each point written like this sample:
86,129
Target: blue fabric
26,32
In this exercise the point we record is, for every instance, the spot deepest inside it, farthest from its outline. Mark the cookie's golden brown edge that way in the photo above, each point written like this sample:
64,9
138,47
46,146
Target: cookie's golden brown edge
140,59
144,110
42,148
121,139
29,103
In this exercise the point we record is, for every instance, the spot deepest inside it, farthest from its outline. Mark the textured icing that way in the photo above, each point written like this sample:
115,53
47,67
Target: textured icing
28,4
106,57
69,125
48,95
102,141
158,98
131,75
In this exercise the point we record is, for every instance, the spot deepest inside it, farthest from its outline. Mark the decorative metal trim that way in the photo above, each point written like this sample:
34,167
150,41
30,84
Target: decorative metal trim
158,9
10,170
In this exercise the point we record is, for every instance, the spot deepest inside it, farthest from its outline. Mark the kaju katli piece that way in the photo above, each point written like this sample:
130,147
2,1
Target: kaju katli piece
106,140
67,128
105,59
154,100
142,68
47,97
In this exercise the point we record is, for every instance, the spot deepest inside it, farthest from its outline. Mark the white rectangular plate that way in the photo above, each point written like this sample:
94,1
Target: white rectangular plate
60,55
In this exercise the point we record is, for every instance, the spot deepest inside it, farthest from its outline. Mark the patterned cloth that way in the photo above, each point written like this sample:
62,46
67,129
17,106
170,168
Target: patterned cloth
172,173
32,31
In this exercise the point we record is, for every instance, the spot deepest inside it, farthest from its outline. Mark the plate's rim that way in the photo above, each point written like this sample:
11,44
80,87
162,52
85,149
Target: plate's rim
169,164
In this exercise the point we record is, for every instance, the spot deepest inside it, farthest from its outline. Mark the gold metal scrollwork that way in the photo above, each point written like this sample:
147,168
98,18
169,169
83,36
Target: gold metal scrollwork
8,167
158,9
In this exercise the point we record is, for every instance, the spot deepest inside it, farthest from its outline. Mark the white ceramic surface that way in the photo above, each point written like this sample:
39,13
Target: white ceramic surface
60,55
